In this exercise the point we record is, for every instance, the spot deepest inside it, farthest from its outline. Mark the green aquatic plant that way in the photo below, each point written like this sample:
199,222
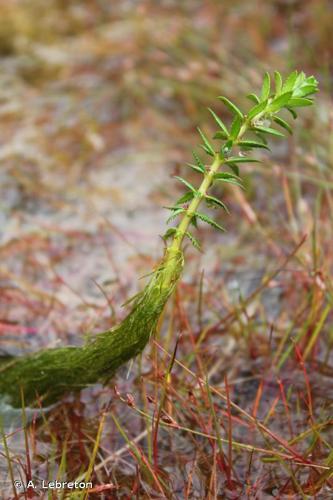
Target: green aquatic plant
46,375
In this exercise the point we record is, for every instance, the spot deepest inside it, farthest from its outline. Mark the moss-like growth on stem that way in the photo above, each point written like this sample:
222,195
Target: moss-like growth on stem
48,374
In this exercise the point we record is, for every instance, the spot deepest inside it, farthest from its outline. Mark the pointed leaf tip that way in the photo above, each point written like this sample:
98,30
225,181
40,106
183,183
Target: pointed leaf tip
268,130
280,101
278,82
207,146
186,183
219,122
193,240
232,107
208,220
266,87
252,144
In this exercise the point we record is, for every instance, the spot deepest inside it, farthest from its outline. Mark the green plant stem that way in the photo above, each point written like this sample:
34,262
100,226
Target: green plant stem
206,184
194,205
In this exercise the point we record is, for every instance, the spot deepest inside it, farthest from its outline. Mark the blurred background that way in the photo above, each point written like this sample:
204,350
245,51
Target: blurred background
99,104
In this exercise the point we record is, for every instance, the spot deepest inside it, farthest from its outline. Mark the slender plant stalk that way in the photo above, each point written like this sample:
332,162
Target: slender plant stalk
195,203
202,192
45,376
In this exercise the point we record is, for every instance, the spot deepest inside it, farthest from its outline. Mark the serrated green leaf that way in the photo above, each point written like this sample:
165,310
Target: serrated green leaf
209,221
211,200
225,175
256,110
254,98
300,79
241,159
188,196
194,221
195,168
252,144
278,82
283,124
173,207
231,181
175,214
305,86
292,112
290,82
235,127
198,161
304,90
219,122
187,184
228,178
298,102
233,108
207,146
311,80
261,137
193,240
169,233
208,150
220,135
266,87
234,168
279,102
268,130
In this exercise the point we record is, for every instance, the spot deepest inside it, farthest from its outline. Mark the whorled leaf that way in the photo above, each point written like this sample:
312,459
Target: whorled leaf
248,144
268,130
193,240
283,124
186,183
256,110
206,144
266,87
278,82
208,220
232,107
219,122
199,162
211,201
